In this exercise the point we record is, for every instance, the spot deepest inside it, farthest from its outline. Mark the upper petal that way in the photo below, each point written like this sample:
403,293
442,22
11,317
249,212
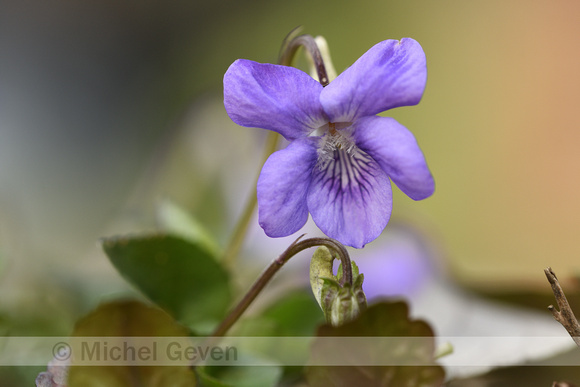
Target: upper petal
350,198
391,74
282,188
397,152
280,98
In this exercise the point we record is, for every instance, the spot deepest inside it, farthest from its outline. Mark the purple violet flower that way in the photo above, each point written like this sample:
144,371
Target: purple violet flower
341,155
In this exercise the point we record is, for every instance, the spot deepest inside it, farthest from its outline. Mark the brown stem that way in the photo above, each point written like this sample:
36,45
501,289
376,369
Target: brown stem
565,315
296,247
292,43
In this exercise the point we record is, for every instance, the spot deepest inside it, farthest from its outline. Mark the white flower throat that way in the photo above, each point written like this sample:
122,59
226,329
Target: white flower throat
333,137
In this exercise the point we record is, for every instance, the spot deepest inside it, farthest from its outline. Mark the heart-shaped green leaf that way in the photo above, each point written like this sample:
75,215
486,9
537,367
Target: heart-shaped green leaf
180,276
129,319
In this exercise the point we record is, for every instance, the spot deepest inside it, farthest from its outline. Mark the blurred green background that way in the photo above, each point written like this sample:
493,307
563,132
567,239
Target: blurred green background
94,94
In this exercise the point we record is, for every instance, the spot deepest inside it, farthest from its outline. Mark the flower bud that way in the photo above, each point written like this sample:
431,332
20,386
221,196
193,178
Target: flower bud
340,303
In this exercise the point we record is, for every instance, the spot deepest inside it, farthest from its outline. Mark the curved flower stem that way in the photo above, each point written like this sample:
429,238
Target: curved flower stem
291,46
288,52
296,247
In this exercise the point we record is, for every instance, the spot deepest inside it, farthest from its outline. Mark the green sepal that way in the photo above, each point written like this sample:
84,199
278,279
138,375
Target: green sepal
340,304
320,268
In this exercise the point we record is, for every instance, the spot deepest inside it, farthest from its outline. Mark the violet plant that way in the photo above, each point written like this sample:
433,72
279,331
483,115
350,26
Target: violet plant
341,154
337,167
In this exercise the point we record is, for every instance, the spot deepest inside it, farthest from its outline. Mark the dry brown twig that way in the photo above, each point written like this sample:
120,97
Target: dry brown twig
564,316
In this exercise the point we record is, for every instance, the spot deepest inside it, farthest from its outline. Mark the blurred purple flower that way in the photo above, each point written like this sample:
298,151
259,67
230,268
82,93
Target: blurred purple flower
403,263
341,154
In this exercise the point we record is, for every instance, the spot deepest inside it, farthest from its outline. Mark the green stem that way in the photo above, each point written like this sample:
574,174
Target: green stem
237,240
296,247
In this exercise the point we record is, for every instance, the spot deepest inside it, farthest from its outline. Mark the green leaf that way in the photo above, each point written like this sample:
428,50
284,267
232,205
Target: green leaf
208,380
248,376
386,319
296,314
127,319
176,220
180,276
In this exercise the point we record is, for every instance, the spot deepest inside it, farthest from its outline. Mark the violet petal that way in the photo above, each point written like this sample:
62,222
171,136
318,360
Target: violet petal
391,74
279,98
395,149
282,188
350,199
